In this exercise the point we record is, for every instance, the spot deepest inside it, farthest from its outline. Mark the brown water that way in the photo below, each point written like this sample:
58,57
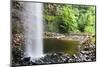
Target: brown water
54,45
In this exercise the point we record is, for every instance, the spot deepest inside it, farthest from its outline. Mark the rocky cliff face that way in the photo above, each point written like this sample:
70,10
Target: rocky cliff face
16,9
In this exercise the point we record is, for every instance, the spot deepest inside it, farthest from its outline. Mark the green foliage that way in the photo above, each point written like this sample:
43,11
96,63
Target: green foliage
69,18
64,18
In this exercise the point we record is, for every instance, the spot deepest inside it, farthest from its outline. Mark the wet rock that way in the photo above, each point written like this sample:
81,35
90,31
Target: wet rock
26,59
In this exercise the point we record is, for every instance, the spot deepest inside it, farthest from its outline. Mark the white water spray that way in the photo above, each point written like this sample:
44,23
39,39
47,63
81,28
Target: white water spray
33,25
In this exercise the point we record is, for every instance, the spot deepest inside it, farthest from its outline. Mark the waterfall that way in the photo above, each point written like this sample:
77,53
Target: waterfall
33,26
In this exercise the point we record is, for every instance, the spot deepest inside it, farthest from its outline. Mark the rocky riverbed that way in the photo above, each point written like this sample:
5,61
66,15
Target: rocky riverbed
87,53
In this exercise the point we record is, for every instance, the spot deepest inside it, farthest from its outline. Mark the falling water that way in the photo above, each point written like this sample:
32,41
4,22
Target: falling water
32,20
